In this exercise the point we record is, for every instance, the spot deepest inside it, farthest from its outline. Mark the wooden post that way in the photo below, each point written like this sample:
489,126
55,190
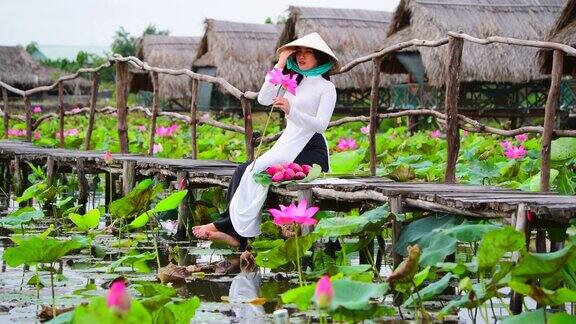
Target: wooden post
247,110
453,69
520,225
154,77
376,62
6,116
61,111
50,169
28,112
93,99
184,215
121,98
395,208
129,176
550,117
193,116
5,183
82,185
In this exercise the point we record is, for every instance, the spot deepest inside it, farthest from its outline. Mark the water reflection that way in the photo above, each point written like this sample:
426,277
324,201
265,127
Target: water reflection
243,297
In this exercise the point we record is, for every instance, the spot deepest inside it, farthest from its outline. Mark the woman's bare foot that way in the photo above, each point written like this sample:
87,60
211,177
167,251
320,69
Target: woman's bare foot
202,230
222,237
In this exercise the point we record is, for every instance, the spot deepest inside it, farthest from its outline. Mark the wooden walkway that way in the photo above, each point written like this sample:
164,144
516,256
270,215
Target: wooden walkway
468,200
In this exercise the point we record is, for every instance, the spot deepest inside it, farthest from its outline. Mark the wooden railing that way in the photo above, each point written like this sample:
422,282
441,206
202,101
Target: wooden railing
450,117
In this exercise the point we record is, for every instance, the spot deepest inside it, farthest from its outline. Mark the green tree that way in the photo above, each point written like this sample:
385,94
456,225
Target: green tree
151,29
124,43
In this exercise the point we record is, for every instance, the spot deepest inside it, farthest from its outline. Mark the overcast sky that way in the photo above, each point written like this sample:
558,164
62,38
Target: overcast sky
93,22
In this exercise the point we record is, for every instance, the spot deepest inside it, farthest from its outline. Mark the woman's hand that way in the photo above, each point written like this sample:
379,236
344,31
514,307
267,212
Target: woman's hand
282,103
283,57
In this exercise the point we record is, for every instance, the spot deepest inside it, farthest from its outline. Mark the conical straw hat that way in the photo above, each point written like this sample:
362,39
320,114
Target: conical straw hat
314,41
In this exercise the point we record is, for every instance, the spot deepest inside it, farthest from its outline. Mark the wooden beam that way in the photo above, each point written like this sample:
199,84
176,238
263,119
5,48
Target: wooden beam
121,100
128,176
93,100
154,77
61,112
452,73
6,112
193,116
549,118
376,62
248,133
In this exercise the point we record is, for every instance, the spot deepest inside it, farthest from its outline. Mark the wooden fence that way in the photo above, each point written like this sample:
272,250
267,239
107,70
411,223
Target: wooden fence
449,117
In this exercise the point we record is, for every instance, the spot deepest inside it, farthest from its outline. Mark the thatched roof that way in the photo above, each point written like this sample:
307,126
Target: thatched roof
167,52
19,69
350,33
432,19
563,31
240,52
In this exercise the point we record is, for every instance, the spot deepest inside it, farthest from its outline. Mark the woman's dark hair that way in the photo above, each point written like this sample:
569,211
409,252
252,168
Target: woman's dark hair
321,58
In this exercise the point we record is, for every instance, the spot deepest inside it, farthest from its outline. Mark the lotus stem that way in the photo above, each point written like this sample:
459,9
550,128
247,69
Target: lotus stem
52,287
298,259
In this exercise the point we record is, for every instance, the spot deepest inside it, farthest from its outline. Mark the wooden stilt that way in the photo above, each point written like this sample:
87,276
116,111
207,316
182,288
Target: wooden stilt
61,112
128,176
550,118
93,100
395,208
194,116
248,136
185,220
154,77
375,92
121,99
521,225
6,112
28,112
83,187
453,69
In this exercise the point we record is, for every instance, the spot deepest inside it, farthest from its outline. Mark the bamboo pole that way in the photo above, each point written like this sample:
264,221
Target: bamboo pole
376,62
61,112
549,118
6,112
248,133
93,100
154,77
453,69
121,98
193,116
28,110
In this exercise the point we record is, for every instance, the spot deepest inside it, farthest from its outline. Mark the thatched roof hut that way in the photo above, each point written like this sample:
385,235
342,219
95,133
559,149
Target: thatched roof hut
19,69
432,19
563,31
350,33
239,52
167,52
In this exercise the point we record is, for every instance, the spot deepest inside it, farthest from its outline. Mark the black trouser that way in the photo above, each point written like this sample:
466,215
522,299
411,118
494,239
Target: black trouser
314,152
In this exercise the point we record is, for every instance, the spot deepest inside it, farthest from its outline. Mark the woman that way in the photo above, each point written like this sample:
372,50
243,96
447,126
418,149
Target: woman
308,114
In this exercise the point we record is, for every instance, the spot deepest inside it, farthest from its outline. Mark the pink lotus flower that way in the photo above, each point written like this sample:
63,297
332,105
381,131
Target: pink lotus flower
75,110
521,137
324,292
365,130
118,297
142,128
436,134
68,132
294,214
345,144
286,81
16,132
108,157
506,145
114,114
515,152
37,135
157,148
465,133
167,131
37,110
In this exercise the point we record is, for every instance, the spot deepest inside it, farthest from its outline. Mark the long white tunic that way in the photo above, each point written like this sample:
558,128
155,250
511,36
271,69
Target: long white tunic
310,112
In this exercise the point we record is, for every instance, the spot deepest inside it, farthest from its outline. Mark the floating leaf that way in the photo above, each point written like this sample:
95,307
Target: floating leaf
33,250
430,291
177,312
354,294
170,202
132,260
533,316
20,217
